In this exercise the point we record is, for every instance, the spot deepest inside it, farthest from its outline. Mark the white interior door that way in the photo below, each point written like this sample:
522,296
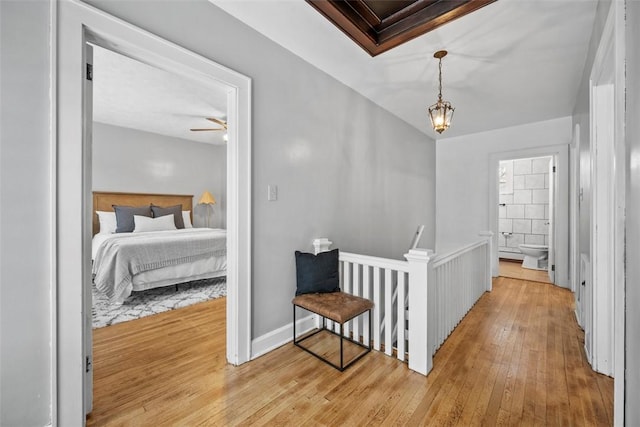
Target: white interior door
87,227
551,266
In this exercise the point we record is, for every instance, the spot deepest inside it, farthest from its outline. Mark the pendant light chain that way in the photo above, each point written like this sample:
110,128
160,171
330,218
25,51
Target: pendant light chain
440,79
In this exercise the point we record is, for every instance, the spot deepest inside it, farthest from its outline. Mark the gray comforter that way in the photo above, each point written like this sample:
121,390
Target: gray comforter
124,255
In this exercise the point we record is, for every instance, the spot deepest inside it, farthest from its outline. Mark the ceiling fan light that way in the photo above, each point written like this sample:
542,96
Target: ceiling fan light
441,114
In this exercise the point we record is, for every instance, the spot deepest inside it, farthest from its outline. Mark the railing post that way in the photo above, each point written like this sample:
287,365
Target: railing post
420,357
321,245
488,235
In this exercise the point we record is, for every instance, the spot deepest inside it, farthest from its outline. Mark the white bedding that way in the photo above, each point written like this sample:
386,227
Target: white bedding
178,272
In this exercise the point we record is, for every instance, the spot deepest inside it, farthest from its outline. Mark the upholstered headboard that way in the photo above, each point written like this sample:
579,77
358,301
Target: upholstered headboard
104,201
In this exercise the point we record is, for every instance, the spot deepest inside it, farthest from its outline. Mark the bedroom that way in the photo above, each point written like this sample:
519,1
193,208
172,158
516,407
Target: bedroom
144,151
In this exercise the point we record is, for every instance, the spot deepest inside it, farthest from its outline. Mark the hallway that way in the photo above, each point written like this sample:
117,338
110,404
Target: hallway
517,358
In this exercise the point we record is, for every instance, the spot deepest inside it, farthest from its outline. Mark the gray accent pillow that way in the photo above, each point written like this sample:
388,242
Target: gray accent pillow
124,217
176,210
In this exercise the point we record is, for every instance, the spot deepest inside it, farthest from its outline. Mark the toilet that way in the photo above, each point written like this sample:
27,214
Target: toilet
535,256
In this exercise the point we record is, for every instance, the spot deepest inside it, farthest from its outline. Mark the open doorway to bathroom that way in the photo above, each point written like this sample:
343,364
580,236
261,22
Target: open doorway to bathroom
526,218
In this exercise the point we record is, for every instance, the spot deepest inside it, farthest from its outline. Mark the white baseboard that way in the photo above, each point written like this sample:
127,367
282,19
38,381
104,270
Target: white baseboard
277,338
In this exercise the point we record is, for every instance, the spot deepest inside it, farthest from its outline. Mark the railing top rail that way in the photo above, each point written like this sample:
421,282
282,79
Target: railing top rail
438,260
387,263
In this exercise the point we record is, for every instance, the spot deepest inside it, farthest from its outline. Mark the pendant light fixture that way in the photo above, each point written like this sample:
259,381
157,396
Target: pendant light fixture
441,112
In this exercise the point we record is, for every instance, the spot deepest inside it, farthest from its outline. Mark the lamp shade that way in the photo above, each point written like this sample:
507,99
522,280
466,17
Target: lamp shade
207,199
441,114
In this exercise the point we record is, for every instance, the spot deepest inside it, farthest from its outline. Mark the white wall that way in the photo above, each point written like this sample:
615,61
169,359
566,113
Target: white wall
130,160
462,175
632,380
25,215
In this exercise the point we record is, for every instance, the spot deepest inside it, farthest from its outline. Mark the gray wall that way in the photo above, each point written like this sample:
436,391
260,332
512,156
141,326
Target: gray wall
25,215
345,168
632,410
130,160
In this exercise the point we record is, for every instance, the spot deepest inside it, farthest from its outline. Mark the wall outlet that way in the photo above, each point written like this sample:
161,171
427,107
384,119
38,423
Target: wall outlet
272,193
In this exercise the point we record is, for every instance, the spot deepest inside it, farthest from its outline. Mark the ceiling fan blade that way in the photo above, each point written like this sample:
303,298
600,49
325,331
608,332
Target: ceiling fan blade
218,121
206,129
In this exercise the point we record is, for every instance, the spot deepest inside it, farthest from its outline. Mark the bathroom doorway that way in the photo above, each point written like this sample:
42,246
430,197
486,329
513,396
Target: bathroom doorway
526,215
557,238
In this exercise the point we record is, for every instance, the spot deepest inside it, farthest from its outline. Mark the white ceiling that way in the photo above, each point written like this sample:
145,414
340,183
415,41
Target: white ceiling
511,62
131,94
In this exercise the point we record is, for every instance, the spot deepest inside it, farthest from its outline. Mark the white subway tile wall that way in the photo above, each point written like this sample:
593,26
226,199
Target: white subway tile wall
540,165
534,181
515,211
534,239
539,226
518,182
522,226
524,215
505,225
534,211
521,167
540,196
522,197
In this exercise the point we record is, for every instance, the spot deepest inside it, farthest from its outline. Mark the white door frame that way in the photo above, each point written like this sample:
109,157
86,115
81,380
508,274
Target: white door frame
608,157
561,154
75,23
574,207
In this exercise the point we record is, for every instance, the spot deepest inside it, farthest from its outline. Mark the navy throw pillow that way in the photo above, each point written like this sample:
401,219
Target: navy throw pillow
176,210
317,273
124,217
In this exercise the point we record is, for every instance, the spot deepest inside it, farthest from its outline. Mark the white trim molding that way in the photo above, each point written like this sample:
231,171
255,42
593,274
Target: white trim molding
281,336
76,24
608,201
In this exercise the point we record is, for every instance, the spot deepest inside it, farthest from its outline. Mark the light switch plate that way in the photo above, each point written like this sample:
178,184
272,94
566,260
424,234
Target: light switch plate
272,193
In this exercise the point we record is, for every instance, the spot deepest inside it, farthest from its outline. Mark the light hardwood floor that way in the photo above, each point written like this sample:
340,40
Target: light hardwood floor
514,270
516,359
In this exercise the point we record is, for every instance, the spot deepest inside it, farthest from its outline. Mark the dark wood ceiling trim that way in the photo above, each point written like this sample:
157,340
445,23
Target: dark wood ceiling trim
377,34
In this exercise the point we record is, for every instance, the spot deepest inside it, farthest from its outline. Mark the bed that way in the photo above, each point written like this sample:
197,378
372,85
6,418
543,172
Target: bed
136,261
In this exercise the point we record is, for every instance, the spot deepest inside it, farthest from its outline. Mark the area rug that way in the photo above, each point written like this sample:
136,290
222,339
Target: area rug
154,301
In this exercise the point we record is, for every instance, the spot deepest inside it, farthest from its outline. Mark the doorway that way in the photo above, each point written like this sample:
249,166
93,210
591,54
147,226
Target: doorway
142,143
551,206
526,216
77,24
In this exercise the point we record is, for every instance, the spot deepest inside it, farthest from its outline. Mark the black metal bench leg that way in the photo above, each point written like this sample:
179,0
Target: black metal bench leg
341,338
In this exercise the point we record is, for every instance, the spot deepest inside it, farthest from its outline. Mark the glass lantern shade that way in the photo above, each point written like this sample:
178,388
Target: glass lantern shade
441,114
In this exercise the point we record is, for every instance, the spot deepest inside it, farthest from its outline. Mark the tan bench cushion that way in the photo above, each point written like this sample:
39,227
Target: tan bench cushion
337,306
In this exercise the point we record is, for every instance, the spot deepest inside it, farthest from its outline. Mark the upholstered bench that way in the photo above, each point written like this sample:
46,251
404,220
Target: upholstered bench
340,308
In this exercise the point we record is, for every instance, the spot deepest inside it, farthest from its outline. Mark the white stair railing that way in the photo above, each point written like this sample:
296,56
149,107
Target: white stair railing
384,281
417,302
459,280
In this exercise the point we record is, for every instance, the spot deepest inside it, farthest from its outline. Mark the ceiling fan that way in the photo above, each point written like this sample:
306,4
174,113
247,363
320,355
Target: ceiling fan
214,120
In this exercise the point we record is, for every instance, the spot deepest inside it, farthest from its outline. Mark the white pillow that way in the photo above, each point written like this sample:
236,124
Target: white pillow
162,223
108,222
186,218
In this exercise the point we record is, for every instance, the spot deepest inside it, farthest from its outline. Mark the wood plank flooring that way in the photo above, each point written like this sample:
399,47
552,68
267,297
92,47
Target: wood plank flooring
514,270
516,359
